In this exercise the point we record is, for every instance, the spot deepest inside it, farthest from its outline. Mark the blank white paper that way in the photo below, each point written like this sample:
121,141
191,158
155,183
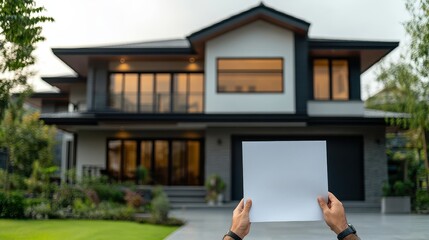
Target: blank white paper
284,179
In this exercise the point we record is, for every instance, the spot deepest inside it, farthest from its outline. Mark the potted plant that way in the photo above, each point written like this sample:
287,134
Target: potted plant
396,198
214,187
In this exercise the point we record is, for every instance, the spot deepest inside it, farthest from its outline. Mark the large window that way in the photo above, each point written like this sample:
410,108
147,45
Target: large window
169,161
257,75
330,79
157,92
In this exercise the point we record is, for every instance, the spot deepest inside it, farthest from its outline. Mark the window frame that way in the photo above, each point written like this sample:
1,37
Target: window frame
171,90
330,59
251,58
151,171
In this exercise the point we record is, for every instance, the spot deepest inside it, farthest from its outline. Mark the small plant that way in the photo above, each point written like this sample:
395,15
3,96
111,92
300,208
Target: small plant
214,187
399,189
422,201
11,205
142,175
160,206
133,199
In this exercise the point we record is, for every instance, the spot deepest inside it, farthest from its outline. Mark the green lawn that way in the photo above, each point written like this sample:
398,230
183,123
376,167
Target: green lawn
80,230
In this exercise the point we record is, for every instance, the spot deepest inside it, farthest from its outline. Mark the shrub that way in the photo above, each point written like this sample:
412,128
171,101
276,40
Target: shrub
65,197
133,199
39,211
160,207
422,200
11,205
108,193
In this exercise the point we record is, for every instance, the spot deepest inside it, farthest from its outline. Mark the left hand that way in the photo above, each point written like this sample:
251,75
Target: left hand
240,219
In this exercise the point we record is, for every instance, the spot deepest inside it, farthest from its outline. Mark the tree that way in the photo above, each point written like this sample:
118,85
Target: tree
406,81
27,138
20,31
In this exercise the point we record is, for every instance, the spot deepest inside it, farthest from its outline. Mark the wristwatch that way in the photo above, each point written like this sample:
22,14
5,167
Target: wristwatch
346,232
232,235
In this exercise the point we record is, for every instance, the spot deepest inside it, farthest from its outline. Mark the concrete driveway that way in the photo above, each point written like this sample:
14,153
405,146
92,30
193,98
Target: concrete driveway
213,223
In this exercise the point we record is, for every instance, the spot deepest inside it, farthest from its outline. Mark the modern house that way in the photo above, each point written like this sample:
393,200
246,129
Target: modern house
182,107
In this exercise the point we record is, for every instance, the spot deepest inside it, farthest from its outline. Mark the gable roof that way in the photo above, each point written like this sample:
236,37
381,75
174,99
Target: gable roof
260,12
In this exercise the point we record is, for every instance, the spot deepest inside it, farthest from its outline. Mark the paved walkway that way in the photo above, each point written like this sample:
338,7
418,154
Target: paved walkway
213,223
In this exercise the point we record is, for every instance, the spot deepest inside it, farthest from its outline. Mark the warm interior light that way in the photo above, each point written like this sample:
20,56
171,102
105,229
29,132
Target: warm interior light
191,60
122,60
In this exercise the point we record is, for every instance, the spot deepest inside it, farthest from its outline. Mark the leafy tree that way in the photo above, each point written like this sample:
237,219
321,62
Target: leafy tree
26,137
406,86
20,31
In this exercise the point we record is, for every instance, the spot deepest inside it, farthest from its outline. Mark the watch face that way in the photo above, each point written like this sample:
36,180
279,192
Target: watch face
353,228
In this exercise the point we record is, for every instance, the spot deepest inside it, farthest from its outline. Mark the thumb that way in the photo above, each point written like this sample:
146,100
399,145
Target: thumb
248,206
322,204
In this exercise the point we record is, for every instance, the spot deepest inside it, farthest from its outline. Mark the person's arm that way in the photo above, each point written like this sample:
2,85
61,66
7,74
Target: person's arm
240,220
335,216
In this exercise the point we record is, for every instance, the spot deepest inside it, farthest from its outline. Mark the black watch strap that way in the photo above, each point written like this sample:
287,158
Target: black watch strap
346,232
232,235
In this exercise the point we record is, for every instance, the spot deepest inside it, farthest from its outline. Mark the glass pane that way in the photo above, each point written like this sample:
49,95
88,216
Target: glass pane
178,174
130,160
146,155
114,159
250,75
180,92
163,92
250,64
146,92
340,80
115,91
194,160
161,162
250,82
321,86
196,83
130,92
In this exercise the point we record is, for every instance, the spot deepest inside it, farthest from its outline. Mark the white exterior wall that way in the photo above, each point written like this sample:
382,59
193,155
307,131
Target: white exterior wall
257,39
336,108
91,150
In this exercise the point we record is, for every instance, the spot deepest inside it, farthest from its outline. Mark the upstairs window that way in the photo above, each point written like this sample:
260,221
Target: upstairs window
157,92
250,75
330,79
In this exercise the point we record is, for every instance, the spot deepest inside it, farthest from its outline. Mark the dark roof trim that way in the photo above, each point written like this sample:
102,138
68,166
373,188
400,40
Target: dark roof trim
351,44
95,118
122,51
49,95
258,12
61,80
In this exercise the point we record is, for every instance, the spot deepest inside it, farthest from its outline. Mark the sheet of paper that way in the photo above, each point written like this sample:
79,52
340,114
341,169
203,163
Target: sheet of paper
284,178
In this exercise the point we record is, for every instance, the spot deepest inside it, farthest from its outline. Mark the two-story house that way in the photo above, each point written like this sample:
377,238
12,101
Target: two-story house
182,107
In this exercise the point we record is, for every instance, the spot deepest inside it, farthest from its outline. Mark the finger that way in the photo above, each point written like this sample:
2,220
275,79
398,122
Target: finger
240,206
322,204
248,206
332,198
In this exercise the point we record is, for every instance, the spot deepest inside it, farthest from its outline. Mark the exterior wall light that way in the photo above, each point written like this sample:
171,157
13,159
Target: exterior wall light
191,60
122,60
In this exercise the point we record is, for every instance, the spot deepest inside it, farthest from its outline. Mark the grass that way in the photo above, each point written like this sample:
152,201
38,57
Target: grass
80,230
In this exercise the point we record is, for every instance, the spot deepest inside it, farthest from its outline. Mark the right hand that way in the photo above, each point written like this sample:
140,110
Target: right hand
333,213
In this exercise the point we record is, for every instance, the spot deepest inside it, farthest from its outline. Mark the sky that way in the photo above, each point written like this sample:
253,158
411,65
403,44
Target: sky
82,23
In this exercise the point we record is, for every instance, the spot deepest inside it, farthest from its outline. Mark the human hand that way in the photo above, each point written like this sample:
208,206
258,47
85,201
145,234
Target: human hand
240,219
333,213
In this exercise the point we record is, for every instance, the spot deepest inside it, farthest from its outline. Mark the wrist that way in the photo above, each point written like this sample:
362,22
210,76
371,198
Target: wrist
231,235
237,232
339,228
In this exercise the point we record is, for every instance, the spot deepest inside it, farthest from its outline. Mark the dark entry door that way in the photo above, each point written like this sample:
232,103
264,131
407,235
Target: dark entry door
345,164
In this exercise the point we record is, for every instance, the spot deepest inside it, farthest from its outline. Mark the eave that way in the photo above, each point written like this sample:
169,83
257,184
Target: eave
369,52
